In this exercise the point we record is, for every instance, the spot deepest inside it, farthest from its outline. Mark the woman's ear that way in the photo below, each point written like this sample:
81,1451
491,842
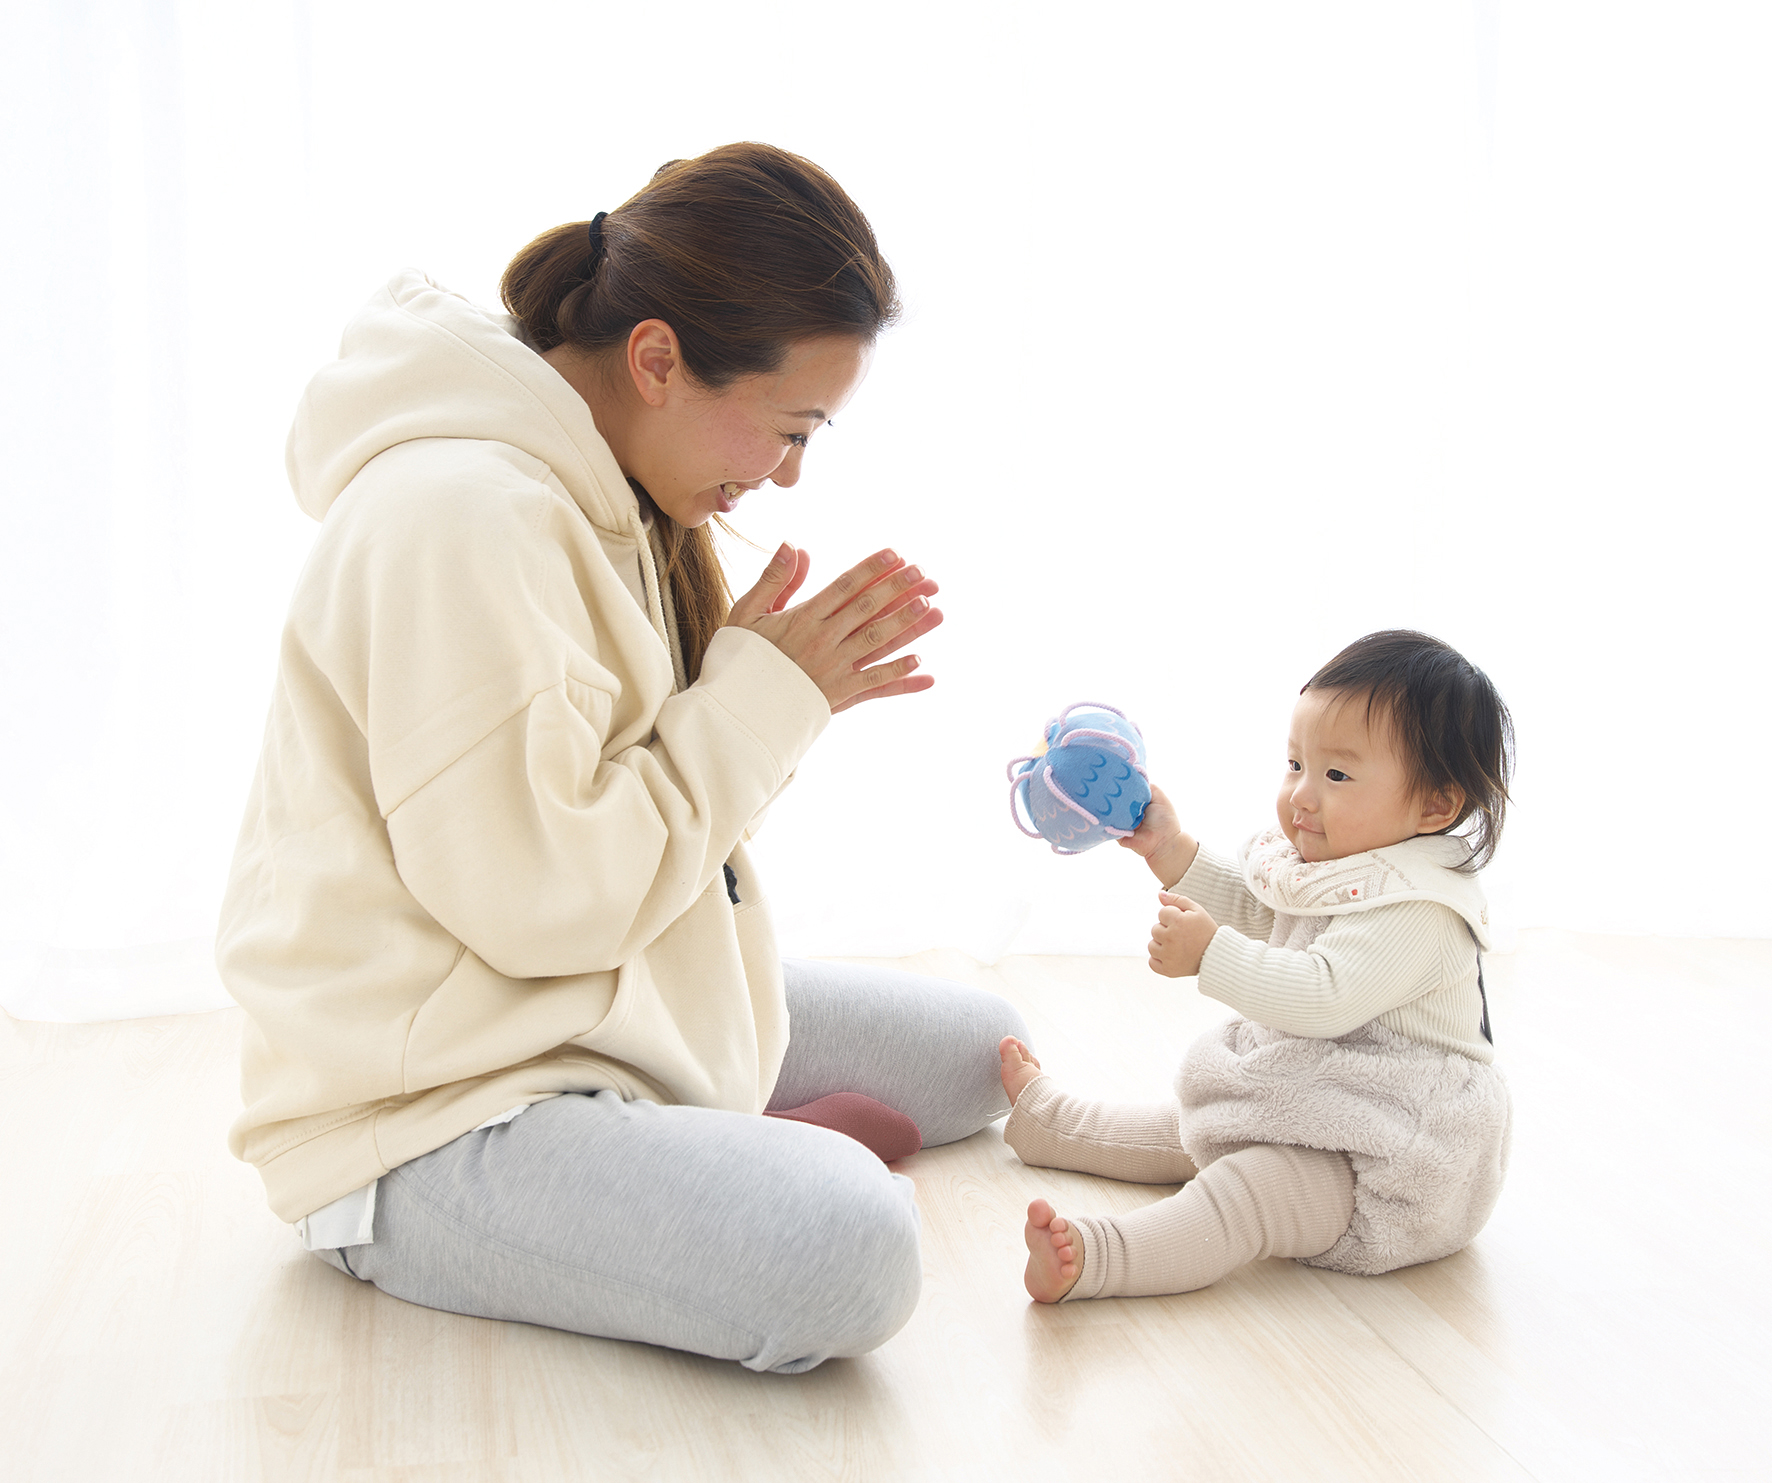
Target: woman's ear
1440,809
655,361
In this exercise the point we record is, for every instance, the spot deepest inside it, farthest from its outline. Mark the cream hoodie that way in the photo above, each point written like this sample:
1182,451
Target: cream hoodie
481,861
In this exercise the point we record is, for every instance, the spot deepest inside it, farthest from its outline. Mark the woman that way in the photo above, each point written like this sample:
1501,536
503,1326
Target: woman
493,861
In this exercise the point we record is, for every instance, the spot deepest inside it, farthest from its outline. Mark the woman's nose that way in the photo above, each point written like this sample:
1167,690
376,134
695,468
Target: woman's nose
787,472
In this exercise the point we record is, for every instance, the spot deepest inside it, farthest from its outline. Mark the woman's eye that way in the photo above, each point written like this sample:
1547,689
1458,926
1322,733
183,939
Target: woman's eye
1336,775
799,440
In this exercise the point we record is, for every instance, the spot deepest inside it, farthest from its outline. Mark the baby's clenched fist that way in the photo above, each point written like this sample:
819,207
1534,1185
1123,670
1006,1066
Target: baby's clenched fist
1180,937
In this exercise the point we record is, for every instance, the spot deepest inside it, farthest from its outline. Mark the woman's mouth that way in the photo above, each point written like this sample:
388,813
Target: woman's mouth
729,496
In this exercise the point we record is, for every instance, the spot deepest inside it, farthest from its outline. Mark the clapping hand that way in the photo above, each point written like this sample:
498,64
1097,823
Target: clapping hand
840,634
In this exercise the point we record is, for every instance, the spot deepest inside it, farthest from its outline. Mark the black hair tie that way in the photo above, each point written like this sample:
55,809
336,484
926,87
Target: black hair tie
596,244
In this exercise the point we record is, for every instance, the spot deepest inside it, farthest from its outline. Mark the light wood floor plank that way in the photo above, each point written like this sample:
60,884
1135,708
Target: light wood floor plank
1611,1323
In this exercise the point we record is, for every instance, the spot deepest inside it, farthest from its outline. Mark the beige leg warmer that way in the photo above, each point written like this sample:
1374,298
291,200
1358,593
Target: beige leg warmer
1137,1142
1269,1200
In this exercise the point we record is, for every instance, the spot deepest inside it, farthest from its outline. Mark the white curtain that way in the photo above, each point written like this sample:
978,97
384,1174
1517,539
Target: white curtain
1234,332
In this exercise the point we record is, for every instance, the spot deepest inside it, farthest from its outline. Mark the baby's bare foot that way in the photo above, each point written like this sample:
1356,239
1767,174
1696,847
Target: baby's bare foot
1055,1254
1019,1067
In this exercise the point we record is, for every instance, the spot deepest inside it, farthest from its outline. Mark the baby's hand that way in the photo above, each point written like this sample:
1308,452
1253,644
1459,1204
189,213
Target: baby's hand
1181,935
1161,841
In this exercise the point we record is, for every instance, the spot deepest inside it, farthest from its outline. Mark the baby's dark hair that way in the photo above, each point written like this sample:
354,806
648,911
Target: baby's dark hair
1447,717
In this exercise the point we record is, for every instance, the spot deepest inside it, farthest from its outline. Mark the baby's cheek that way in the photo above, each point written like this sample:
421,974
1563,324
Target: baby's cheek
1283,812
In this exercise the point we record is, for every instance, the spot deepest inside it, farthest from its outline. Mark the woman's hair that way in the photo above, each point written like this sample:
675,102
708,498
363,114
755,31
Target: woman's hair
742,252
1446,716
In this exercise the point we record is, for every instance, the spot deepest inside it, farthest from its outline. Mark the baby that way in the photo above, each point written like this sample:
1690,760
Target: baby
1353,1118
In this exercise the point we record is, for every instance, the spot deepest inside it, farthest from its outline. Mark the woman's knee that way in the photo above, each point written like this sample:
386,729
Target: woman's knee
998,1017
971,1095
848,1271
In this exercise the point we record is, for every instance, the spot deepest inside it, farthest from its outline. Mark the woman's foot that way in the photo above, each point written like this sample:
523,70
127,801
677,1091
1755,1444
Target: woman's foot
1055,1254
1019,1066
884,1131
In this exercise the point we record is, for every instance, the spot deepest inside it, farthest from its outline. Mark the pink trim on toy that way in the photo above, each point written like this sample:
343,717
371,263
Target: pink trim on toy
1094,705
1118,741
1113,738
1065,798
1014,792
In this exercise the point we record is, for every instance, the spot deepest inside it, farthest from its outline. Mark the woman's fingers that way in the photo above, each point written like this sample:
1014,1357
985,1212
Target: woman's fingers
882,636
858,583
783,574
802,565
887,679
884,598
930,618
874,620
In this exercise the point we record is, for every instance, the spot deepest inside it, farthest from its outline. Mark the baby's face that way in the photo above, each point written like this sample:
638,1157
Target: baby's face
1345,788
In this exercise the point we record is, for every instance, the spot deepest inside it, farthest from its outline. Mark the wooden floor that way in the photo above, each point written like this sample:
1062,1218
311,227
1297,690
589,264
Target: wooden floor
1613,1322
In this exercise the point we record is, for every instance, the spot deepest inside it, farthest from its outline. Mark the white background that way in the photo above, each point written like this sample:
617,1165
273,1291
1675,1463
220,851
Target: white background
1233,332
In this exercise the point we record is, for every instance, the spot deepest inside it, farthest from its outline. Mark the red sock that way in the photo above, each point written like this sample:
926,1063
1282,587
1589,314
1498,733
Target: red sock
882,1130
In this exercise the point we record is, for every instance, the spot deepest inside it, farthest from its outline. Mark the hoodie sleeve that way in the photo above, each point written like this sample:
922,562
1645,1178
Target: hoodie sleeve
545,858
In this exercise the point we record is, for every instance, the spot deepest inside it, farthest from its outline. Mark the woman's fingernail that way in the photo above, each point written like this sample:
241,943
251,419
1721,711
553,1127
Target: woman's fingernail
783,556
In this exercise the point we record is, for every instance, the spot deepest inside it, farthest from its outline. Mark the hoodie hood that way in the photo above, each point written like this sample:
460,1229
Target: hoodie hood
421,362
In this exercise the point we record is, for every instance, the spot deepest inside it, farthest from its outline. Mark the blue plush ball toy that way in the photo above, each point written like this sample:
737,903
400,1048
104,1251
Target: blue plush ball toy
1086,784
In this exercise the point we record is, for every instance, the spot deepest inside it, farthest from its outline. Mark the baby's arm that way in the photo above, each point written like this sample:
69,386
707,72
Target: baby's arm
1217,885
1161,842
1362,965
1200,891
1182,867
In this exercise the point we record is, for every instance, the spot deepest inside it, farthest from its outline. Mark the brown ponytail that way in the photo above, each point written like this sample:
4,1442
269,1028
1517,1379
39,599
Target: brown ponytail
742,251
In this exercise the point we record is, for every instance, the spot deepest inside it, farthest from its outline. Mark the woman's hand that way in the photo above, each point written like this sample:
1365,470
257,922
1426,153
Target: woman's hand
1161,841
839,635
1181,936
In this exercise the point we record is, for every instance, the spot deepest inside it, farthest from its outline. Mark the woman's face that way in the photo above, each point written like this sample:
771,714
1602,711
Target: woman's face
702,451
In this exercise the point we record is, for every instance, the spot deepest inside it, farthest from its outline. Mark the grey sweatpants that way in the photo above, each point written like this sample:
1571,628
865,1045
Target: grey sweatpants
771,1242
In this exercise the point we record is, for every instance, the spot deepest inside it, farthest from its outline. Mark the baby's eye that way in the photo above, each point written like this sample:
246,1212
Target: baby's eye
1294,765
1336,775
